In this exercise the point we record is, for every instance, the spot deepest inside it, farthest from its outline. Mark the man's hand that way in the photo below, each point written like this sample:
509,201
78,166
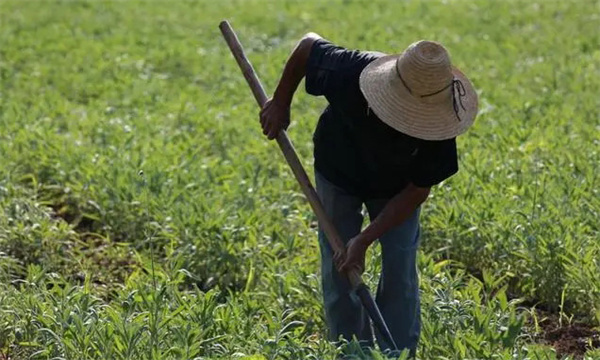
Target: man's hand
275,114
274,117
355,256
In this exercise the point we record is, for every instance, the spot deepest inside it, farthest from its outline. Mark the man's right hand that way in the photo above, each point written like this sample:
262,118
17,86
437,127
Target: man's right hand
275,114
274,117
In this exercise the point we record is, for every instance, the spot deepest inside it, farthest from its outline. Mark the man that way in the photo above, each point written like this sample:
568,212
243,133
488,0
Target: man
386,137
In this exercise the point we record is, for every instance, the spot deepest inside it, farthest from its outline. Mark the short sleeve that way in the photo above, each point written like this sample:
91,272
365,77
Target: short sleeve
434,162
331,70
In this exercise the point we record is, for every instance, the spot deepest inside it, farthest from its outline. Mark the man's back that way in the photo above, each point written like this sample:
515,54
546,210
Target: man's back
354,149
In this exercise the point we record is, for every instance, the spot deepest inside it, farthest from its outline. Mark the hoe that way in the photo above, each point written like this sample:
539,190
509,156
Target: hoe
294,162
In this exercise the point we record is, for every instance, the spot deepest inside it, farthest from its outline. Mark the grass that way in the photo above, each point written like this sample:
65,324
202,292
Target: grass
213,253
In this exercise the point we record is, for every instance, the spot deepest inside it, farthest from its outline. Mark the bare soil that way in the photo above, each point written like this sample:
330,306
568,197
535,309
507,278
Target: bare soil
571,339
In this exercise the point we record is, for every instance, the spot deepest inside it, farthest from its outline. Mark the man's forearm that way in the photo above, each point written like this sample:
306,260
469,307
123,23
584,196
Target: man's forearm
395,212
294,70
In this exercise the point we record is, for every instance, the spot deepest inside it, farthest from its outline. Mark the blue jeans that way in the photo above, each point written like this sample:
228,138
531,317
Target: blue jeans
398,288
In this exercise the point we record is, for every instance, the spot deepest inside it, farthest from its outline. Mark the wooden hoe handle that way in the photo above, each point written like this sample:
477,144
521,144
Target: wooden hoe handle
288,149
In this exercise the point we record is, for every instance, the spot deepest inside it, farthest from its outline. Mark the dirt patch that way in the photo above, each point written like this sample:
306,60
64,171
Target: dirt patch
572,339
71,214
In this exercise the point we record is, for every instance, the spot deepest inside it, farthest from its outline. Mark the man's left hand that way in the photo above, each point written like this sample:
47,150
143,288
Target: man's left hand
355,255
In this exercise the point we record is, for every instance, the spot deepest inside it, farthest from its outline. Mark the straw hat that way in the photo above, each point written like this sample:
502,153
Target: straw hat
420,93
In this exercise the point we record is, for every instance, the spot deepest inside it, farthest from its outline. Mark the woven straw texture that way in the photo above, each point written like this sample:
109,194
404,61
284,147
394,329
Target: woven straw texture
418,91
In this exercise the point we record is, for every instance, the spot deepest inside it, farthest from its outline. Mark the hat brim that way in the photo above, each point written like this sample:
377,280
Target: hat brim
392,102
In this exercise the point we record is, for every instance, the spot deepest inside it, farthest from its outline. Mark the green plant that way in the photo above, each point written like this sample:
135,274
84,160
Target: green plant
212,254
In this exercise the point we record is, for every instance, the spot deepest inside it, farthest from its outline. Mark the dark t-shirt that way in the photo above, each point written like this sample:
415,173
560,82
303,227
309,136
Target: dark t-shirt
353,148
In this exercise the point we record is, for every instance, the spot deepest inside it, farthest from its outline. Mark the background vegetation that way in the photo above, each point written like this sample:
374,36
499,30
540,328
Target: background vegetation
144,216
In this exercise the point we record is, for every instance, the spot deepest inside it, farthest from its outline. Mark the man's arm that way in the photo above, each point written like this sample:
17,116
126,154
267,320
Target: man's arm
395,212
398,209
275,114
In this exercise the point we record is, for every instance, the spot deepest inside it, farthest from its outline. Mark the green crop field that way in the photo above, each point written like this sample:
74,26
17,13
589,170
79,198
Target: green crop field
143,215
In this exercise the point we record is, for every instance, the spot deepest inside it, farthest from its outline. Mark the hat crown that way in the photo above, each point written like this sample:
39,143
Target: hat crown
425,68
